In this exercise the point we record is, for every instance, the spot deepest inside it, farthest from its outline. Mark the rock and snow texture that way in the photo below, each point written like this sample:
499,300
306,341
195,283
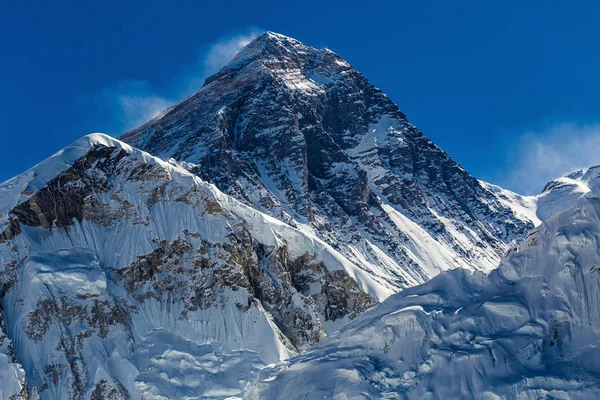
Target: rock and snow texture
525,207
124,276
297,133
528,330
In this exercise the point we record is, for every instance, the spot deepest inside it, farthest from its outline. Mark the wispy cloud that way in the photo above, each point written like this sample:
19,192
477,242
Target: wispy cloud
224,50
216,56
120,106
126,104
538,157
135,102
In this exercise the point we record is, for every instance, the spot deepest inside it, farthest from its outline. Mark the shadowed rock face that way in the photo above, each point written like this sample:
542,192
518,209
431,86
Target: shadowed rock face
64,198
340,295
298,133
284,287
12,230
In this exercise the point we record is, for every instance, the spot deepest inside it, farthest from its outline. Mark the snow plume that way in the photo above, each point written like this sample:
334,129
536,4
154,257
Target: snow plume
539,157
126,104
122,105
139,103
216,56
223,51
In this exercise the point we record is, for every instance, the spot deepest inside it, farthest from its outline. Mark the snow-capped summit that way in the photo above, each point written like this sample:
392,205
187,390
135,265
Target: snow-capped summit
283,56
273,45
125,276
297,133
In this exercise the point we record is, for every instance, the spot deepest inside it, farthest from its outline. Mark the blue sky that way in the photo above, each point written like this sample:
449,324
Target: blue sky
508,89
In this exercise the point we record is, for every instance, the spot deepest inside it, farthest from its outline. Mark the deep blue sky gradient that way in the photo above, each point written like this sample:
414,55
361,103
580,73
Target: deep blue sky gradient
473,76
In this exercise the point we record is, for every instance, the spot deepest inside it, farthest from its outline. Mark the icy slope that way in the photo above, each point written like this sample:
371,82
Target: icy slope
299,134
13,383
528,330
124,276
562,192
525,207
558,195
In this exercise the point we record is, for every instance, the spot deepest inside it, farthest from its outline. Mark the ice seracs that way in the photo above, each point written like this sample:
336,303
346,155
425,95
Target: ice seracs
13,382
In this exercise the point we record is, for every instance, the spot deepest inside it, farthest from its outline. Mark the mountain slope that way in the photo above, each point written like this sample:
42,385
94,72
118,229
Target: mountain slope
557,195
123,276
528,330
560,193
525,207
297,133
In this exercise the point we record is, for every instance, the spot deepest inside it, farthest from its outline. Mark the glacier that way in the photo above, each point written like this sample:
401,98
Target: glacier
529,329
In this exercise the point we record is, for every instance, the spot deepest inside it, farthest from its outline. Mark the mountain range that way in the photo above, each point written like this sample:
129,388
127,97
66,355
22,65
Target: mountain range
267,211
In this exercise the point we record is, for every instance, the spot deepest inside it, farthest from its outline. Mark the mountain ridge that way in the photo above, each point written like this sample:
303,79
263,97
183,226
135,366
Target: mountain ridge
108,252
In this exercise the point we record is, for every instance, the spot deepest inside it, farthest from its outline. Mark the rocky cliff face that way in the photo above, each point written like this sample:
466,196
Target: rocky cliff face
118,267
297,133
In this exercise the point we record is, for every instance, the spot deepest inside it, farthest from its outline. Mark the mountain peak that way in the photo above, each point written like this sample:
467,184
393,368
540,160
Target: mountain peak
289,60
270,37
299,134
272,44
